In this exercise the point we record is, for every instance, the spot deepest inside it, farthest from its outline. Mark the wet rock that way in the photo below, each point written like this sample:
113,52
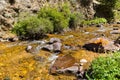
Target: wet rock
101,30
70,70
62,63
69,47
52,58
54,45
57,47
83,61
48,47
52,40
39,58
32,49
66,46
101,45
115,31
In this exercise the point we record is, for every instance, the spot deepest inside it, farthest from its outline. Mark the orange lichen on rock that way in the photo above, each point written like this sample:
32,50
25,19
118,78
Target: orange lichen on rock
101,40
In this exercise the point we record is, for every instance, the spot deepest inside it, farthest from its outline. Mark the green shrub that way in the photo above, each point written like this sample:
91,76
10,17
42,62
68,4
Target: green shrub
117,6
94,21
105,68
75,20
32,28
62,17
56,17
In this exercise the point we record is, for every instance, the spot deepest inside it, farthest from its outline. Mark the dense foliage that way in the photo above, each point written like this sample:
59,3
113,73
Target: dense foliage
33,28
61,17
106,9
94,21
58,19
48,20
105,68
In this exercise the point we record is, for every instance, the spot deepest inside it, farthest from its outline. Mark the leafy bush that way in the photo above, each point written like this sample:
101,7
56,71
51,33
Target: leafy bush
94,21
117,6
56,17
105,68
32,28
75,20
61,17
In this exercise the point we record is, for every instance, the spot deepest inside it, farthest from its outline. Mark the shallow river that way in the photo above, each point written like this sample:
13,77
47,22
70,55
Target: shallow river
17,64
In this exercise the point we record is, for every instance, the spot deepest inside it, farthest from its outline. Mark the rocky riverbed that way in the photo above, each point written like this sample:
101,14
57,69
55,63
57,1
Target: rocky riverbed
59,54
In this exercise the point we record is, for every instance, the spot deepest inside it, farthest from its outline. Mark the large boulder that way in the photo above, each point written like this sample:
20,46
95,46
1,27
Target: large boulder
62,63
101,45
68,65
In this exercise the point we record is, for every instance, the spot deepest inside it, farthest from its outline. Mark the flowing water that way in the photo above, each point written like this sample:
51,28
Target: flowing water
17,64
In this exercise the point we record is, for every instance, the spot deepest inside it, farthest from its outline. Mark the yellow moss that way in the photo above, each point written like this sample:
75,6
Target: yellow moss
17,64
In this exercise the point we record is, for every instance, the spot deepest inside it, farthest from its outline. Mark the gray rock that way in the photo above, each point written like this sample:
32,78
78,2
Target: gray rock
57,46
69,70
32,49
52,40
115,32
48,47
67,47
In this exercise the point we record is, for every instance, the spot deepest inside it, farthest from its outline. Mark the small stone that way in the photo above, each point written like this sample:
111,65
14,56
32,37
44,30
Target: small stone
32,50
29,47
115,32
83,61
